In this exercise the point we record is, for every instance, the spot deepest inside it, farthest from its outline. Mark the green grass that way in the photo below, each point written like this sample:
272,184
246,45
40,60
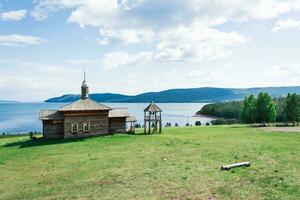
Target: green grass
181,163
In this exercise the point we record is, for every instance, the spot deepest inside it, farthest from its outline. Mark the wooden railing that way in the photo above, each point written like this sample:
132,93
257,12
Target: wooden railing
152,118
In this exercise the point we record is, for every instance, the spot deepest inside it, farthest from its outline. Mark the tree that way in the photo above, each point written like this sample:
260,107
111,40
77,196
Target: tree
265,108
280,109
198,123
227,110
248,113
292,108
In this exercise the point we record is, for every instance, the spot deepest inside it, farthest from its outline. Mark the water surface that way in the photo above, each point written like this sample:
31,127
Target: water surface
23,117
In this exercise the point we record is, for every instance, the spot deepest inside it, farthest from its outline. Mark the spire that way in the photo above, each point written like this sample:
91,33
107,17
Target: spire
84,88
84,76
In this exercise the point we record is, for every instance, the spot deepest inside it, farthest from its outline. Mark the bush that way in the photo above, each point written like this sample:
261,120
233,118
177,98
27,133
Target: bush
137,125
198,123
187,124
176,124
168,124
222,121
232,121
219,121
207,124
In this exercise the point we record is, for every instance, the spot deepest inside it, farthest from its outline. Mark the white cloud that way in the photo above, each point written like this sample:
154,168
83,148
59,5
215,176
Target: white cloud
118,58
38,81
177,30
16,40
57,70
181,44
84,62
109,12
15,15
285,69
126,36
207,75
282,25
197,74
95,13
44,8
131,80
169,30
196,43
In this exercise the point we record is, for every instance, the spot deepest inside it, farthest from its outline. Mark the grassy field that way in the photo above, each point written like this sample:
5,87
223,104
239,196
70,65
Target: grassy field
181,163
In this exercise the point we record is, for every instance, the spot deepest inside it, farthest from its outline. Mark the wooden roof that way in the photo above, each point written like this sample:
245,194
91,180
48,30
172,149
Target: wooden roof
84,105
152,108
118,112
50,115
131,119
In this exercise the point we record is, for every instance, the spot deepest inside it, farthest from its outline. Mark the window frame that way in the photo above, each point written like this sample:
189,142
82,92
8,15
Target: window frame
72,127
88,125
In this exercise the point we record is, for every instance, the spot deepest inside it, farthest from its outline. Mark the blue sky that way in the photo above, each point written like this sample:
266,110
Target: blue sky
134,46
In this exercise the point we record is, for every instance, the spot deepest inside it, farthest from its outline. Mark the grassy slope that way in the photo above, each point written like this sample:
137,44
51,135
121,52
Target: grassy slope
181,163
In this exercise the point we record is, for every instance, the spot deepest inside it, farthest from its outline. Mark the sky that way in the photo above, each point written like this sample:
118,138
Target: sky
136,46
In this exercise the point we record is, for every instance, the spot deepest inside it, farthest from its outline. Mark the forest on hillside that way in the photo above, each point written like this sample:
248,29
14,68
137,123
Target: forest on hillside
285,109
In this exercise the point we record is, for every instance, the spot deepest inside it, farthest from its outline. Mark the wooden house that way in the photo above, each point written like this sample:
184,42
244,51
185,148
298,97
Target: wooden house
84,117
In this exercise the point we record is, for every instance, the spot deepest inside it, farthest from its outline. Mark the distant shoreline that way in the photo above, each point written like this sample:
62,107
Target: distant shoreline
67,102
127,102
206,116
185,95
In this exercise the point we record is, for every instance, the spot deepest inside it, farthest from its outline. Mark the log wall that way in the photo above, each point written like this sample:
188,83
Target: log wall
53,129
117,125
99,125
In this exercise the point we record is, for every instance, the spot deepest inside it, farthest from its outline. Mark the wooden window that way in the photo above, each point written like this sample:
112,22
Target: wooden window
86,127
74,127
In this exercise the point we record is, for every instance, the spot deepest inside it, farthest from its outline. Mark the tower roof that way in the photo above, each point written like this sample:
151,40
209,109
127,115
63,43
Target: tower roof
84,84
84,89
152,108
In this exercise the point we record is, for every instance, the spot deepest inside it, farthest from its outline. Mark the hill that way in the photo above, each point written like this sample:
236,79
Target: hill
180,163
104,97
205,94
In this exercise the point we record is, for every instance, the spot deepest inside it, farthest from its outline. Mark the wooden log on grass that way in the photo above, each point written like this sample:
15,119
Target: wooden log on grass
228,167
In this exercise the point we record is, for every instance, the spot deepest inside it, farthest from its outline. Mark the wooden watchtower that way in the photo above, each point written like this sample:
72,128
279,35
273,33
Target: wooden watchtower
152,119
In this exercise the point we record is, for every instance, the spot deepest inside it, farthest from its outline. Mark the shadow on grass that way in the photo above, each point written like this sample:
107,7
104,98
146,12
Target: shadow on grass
40,142
143,134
